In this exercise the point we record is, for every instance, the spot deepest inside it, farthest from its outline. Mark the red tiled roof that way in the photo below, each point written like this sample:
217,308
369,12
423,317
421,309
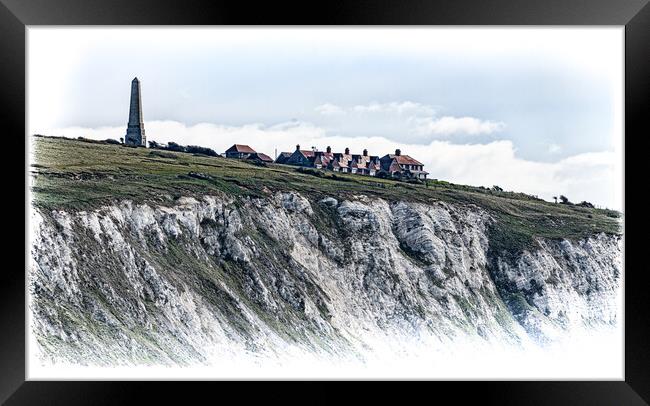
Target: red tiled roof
264,157
394,167
321,159
260,156
241,148
344,160
405,160
307,152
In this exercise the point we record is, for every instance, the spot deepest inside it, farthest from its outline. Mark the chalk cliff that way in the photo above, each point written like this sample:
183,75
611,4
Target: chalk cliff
226,277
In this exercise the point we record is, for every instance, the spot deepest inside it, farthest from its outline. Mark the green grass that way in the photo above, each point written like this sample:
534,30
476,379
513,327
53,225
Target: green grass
78,175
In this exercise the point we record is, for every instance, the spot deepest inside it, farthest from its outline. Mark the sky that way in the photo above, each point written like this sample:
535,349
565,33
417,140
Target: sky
533,110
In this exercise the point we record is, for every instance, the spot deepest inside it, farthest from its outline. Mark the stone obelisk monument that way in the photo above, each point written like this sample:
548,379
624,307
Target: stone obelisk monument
135,128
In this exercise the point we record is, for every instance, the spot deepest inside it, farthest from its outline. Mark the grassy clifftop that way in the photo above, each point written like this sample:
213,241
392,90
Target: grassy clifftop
77,175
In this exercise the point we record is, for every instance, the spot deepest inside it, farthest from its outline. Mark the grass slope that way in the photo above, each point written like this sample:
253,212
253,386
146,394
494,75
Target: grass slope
78,175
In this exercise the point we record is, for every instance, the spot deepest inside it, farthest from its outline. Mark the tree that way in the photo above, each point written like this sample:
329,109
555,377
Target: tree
497,188
555,197
121,140
564,200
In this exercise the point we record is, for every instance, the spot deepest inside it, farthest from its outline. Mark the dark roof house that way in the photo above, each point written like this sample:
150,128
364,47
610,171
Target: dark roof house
301,157
282,157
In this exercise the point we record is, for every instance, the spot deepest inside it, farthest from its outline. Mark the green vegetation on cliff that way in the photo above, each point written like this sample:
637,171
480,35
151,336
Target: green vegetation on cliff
77,175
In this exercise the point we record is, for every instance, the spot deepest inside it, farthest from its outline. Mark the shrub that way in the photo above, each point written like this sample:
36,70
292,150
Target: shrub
586,204
200,175
112,141
256,162
195,149
172,146
310,171
564,200
90,140
611,213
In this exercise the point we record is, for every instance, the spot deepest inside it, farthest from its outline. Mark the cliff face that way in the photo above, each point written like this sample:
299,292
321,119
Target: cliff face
279,277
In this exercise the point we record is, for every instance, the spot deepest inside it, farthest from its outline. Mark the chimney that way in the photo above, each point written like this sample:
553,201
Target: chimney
347,151
297,147
365,152
329,149
398,152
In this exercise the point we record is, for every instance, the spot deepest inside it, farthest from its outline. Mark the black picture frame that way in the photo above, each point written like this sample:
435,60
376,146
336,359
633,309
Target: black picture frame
15,15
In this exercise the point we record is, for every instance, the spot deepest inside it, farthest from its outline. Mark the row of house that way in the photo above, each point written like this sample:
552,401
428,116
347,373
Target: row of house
394,165
390,165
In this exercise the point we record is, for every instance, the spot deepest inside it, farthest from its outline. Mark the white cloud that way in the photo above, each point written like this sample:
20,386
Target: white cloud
402,120
405,108
445,126
328,109
589,176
